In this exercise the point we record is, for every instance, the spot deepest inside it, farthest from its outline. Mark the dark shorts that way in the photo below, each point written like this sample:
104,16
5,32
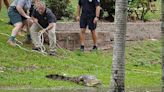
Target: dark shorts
87,21
14,15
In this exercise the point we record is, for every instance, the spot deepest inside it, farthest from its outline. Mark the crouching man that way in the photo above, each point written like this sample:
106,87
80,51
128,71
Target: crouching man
43,20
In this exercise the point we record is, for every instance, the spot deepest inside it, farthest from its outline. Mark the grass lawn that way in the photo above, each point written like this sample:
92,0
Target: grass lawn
19,68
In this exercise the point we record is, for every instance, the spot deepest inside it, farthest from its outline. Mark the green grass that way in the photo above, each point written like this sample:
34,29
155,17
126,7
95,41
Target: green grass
26,69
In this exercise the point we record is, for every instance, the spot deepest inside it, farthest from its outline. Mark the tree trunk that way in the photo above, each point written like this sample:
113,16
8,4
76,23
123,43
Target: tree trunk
118,66
162,29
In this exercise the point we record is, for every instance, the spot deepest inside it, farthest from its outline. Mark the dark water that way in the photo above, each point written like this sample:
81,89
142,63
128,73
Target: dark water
154,89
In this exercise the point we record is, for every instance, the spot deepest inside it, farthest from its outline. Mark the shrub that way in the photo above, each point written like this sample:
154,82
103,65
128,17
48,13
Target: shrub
138,7
109,7
61,8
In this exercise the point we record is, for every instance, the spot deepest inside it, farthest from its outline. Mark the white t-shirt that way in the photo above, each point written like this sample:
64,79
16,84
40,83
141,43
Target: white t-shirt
25,4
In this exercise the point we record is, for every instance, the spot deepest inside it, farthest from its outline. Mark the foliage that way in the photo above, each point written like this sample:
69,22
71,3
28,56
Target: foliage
139,7
61,8
109,7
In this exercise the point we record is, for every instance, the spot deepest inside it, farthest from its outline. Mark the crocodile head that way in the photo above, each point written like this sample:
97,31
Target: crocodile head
93,83
89,80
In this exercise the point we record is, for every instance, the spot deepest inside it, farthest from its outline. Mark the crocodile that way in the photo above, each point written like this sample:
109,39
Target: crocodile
86,80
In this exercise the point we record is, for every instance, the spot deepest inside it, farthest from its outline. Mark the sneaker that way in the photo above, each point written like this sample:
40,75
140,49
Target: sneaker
11,42
94,48
82,48
52,53
36,49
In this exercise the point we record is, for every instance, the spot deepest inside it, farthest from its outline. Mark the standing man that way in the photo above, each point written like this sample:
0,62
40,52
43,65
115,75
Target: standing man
89,17
44,20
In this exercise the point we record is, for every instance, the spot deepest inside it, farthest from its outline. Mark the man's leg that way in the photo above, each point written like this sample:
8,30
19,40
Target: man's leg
83,25
15,30
27,26
92,27
52,40
94,37
7,4
82,38
35,36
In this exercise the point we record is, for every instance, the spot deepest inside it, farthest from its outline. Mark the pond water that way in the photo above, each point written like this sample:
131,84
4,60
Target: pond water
154,89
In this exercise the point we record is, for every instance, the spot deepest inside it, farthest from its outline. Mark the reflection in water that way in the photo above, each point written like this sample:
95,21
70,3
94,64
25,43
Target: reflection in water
154,89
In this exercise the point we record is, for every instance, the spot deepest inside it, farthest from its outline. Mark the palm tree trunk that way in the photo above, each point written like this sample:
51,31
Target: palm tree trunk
118,66
162,29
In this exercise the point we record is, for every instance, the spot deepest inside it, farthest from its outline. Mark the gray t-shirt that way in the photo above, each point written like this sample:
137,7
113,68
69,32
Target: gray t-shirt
25,4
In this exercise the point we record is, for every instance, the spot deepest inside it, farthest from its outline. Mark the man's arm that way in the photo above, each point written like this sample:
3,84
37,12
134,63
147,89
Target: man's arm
98,11
78,13
19,8
51,20
34,20
97,14
21,11
50,26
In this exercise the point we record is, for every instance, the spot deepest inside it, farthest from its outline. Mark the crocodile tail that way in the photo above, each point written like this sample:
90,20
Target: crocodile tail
61,77
57,77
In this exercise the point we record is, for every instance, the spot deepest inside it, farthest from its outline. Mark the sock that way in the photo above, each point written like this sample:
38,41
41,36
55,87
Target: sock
94,47
82,47
28,37
12,38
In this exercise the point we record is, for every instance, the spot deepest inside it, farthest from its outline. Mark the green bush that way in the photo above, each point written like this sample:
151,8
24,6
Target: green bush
61,8
138,7
109,7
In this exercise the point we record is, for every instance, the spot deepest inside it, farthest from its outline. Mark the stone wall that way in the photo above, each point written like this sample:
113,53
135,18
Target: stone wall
68,34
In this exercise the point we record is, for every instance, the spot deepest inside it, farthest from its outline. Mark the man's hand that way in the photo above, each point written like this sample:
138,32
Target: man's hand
35,20
43,30
28,17
77,18
95,20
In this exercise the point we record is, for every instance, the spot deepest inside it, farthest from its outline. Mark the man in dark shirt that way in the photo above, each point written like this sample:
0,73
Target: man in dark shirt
43,20
89,17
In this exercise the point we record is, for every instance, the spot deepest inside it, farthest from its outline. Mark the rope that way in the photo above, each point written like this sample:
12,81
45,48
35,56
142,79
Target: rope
41,36
19,42
22,48
41,40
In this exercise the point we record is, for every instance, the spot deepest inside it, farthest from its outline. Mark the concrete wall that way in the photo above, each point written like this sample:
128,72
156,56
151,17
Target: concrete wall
68,34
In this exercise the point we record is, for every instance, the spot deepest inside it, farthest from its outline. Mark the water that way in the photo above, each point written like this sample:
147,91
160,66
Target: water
88,89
